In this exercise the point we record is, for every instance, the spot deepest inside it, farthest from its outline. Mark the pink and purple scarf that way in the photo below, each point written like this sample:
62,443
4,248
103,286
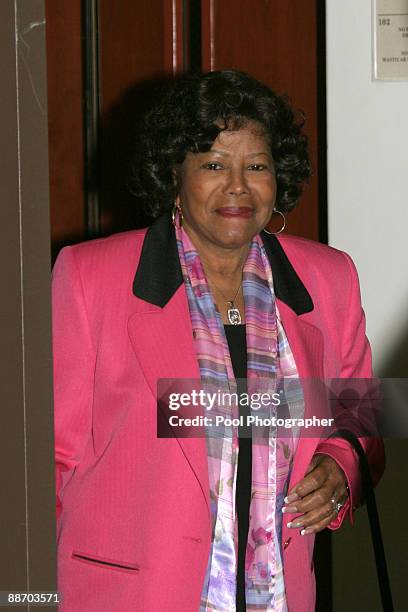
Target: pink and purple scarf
269,358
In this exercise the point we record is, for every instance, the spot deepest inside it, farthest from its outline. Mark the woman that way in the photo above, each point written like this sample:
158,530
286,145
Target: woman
195,523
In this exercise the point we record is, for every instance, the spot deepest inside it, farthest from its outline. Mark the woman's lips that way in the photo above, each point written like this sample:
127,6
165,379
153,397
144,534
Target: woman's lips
235,211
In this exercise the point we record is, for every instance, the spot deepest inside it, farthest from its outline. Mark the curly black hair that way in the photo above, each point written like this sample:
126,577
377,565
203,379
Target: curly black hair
189,116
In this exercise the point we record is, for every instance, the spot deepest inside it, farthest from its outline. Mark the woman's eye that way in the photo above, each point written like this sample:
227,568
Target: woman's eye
257,167
212,166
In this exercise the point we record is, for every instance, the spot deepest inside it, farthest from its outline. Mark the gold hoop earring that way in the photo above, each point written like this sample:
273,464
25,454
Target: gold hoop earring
176,209
275,210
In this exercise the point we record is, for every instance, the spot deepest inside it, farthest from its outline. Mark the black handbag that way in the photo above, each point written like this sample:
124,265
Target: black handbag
375,528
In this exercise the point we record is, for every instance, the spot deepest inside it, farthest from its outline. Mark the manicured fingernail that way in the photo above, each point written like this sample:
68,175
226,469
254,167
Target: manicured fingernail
306,531
290,498
291,509
294,524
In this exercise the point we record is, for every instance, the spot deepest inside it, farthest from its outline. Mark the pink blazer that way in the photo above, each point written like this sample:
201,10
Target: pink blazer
133,509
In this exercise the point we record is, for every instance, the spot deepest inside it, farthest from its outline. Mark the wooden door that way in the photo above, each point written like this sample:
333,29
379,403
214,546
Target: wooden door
103,60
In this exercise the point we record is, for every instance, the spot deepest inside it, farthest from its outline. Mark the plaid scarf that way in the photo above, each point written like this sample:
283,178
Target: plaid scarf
268,358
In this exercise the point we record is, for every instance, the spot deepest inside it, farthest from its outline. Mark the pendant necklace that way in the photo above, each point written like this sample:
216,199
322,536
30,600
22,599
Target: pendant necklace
233,314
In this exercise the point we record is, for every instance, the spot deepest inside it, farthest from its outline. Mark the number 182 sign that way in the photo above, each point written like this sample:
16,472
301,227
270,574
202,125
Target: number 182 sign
390,25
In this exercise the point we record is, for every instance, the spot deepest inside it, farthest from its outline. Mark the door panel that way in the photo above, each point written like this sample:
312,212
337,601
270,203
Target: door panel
65,120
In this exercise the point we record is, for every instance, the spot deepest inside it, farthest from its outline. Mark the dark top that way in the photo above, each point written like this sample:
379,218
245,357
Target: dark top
237,346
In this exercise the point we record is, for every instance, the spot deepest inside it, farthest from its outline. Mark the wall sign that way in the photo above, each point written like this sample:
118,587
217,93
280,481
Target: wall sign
390,35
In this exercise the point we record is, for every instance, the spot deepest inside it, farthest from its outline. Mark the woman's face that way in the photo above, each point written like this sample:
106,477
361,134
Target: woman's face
227,195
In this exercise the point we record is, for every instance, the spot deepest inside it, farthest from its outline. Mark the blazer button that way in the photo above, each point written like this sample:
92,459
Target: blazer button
286,543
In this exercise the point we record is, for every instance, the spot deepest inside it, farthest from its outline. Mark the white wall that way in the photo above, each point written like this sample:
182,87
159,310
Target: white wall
368,218
368,173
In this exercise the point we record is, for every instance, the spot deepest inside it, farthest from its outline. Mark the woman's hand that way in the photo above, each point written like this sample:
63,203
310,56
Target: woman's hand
315,497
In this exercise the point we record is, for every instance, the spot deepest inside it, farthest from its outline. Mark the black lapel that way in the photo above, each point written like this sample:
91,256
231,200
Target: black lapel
286,283
158,275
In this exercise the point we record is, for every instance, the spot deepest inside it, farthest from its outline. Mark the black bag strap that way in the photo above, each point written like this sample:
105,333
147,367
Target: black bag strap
375,528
